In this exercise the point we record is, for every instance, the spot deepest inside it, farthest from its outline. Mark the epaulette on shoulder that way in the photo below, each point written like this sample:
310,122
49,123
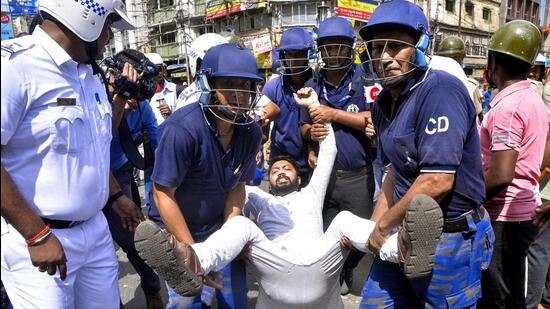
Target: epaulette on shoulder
11,47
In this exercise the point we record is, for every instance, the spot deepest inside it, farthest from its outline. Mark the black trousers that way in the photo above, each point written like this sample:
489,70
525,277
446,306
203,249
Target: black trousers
353,194
503,283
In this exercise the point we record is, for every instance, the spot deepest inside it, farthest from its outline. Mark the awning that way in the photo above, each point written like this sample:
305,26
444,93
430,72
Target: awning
175,66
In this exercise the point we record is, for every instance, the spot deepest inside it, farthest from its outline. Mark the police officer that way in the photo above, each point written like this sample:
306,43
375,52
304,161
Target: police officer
433,149
212,145
164,100
278,103
341,94
453,47
56,131
513,137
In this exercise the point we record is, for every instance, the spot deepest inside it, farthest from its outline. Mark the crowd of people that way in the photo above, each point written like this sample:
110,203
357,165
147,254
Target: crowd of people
443,180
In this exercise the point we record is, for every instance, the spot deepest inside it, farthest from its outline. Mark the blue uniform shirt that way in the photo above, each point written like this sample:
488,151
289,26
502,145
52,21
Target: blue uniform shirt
354,148
142,117
190,157
286,138
433,129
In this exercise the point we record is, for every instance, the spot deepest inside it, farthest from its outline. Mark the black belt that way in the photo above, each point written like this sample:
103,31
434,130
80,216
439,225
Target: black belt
340,174
60,224
461,224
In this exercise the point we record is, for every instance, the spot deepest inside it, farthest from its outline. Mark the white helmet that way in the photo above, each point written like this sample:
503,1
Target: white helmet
200,46
540,60
86,18
155,58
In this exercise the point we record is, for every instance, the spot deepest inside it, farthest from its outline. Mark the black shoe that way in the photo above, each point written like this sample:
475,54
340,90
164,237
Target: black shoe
346,281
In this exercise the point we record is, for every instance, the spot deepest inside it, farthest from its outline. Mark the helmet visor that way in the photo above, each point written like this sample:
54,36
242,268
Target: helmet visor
293,62
335,56
389,58
123,21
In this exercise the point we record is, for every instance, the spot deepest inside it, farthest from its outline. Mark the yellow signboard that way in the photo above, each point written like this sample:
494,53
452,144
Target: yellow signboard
357,9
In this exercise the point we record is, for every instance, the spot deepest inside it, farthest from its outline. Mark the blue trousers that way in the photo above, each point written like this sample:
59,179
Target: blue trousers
150,282
231,296
455,282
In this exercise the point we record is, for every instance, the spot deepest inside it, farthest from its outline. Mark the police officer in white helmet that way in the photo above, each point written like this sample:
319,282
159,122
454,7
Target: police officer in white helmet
164,100
56,124
199,47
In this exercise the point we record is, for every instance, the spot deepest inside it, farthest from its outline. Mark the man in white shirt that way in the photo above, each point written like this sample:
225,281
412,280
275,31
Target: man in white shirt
165,98
295,263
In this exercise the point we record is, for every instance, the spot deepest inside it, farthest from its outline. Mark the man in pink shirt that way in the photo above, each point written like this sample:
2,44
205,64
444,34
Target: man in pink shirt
513,136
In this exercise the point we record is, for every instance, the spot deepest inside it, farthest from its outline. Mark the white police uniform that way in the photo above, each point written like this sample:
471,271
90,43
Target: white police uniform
169,96
189,95
55,135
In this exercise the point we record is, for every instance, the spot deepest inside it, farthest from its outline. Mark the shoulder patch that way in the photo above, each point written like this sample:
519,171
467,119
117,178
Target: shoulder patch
12,47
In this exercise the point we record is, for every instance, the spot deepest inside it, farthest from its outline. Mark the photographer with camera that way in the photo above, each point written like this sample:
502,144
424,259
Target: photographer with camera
56,124
166,93
139,125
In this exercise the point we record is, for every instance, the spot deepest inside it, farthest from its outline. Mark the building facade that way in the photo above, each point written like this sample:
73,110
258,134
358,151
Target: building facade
472,20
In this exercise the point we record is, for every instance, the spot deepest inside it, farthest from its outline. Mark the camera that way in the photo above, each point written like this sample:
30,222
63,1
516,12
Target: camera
144,87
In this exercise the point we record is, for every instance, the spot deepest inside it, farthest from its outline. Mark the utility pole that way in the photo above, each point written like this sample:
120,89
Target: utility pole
460,18
428,9
180,16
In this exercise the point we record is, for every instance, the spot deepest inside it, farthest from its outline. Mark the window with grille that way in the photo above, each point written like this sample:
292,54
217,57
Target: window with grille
469,8
165,3
168,34
200,7
299,14
450,6
487,14
535,17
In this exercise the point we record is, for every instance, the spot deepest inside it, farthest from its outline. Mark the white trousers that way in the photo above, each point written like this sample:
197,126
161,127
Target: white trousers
92,269
305,279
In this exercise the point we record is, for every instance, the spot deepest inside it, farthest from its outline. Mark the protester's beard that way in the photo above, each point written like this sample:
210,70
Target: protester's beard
287,188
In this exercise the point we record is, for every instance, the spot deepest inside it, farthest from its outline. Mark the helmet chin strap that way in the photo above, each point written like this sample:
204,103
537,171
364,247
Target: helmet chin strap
227,113
392,83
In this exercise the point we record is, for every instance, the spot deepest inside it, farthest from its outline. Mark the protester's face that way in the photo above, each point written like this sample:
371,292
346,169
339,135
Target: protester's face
296,61
283,178
234,93
336,52
392,52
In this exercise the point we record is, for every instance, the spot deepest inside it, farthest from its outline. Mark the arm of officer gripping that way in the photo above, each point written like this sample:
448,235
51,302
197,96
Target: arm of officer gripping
352,120
234,202
170,213
321,175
